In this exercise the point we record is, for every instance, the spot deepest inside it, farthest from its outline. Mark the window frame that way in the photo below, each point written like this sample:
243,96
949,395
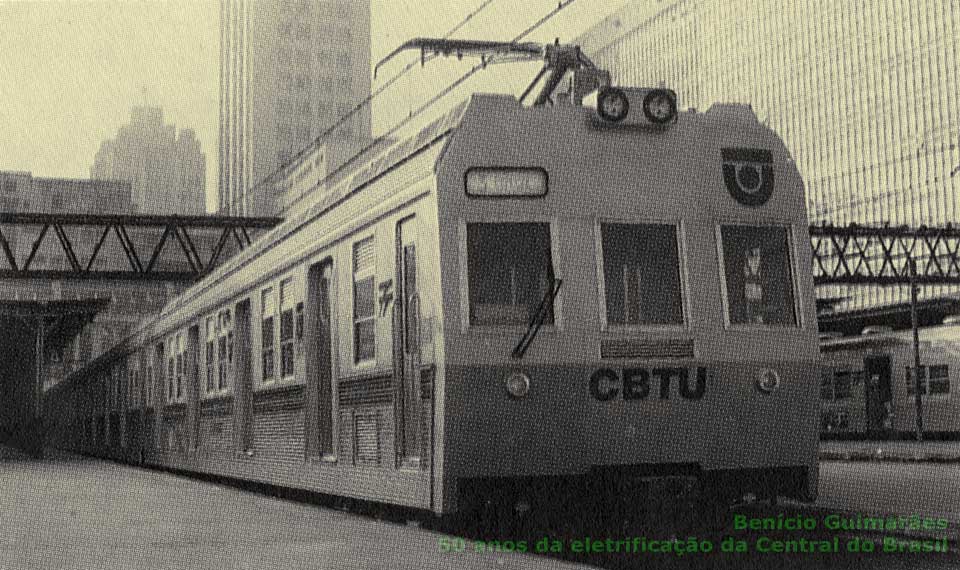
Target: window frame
133,373
910,383
176,367
555,260
853,378
286,285
938,379
210,354
787,225
264,380
170,359
683,272
181,367
148,403
223,381
116,399
366,274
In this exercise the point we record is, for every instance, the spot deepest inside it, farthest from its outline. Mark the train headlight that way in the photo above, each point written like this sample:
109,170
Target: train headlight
518,385
768,380
659,106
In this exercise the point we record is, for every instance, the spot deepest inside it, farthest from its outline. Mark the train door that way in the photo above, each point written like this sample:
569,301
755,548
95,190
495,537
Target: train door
876,392
319,361
406,333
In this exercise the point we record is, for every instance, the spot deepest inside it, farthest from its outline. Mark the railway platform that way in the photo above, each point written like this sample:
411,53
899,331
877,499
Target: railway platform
899,450
68,511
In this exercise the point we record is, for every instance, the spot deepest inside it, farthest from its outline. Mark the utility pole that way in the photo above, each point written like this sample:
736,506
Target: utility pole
916,347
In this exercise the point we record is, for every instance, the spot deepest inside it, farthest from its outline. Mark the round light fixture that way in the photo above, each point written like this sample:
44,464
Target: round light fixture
659,106
768,380
612,104
518,385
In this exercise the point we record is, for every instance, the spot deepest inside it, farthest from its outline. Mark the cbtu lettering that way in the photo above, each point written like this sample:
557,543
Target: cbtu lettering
638,383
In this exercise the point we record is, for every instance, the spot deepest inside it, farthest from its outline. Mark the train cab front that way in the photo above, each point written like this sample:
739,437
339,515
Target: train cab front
624,305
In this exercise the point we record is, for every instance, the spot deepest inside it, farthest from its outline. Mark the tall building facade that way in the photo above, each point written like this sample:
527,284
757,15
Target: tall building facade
866,95
166,169
288,71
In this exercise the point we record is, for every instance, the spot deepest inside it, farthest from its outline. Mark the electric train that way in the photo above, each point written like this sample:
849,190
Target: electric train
868,389
519,302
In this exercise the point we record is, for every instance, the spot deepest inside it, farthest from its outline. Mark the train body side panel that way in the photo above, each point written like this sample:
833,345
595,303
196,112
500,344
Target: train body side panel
363,462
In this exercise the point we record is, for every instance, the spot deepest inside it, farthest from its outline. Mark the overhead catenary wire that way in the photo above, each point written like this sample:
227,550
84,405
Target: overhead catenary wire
369,98
445,91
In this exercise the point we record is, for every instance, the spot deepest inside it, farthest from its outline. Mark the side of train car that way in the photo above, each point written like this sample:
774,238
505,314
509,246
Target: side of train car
405,338
868,388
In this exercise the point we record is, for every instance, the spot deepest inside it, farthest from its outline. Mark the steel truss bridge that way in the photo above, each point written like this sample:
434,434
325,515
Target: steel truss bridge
885,255
184,248
124,247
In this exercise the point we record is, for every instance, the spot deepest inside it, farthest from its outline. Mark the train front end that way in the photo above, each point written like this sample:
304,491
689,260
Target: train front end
624,302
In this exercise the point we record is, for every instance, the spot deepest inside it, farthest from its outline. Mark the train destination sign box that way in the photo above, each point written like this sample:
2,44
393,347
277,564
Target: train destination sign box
506,182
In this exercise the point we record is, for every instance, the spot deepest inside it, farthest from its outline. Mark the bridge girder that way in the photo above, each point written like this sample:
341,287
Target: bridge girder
197,244
881,255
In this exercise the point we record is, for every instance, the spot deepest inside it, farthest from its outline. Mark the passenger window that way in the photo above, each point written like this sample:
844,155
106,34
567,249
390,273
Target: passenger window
842,385
641,274
364,301
210,353
939,379
268,335
758,275
938,383
286,328
509,270
224,349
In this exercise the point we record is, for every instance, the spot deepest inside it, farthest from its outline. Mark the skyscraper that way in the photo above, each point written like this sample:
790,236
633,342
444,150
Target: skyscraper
166,170
288,71
865,95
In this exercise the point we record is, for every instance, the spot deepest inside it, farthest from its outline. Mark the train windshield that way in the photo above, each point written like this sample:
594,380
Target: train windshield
509,270
641,274
758,275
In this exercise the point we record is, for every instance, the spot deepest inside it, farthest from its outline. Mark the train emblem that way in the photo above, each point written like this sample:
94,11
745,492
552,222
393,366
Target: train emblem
748,175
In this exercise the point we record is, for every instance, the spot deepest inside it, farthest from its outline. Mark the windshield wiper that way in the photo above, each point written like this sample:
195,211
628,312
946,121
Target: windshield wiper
538,318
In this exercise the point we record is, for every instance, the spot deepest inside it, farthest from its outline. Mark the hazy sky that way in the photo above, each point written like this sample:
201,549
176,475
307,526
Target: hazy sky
71,71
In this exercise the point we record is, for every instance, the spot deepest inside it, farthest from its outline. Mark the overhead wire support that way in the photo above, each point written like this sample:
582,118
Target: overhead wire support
446,90
369,98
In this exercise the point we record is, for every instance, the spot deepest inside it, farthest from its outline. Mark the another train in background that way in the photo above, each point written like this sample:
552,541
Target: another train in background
868,390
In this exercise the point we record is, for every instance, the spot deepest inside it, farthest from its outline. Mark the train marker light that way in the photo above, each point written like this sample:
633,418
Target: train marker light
634,106
660,106
612,104
768,380
518,385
